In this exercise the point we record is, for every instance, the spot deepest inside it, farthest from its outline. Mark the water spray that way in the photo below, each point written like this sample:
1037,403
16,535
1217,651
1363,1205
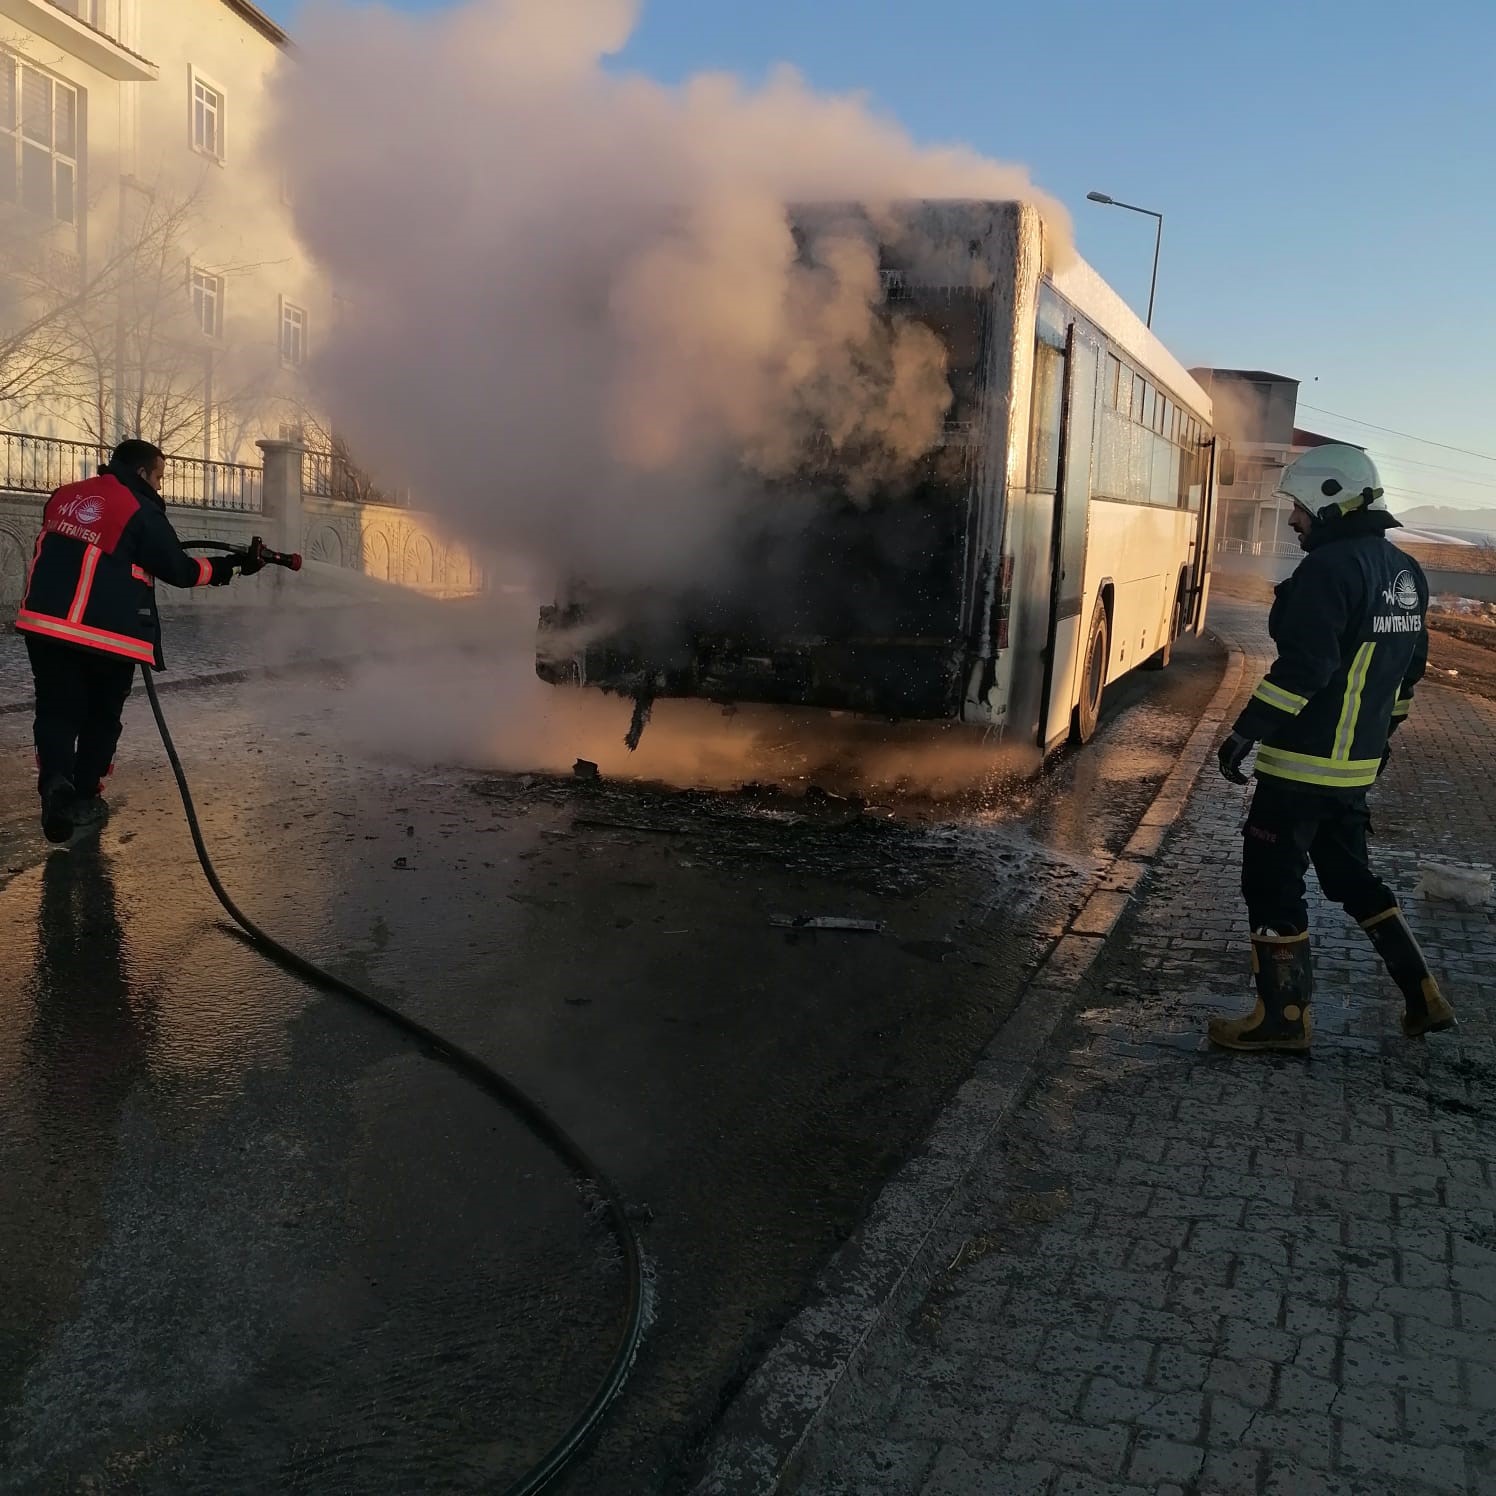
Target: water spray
594,1185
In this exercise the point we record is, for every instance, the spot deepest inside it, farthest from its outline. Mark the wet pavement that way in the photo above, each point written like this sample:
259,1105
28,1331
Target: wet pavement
208,639
252,1241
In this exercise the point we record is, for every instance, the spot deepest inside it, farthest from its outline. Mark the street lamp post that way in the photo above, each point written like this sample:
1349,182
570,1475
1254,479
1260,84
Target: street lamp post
1158,237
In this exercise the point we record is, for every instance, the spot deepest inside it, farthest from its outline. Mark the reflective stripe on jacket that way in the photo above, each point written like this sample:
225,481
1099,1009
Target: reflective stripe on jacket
103,544
1349,626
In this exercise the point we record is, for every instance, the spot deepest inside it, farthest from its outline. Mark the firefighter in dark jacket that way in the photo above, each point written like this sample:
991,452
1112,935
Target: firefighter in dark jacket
89,616
1349,630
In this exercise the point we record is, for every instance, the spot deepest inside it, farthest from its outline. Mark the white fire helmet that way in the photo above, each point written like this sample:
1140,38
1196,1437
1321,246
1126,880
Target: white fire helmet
1333,480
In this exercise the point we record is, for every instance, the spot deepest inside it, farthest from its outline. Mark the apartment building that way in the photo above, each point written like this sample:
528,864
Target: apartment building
151,282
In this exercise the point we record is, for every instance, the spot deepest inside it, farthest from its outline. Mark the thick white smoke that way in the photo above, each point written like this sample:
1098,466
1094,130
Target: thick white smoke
575,306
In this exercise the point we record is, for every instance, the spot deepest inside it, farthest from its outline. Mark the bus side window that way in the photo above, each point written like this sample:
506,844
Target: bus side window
1192,468
1113,379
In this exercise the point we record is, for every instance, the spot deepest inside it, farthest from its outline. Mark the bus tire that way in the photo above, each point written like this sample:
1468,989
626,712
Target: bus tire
1093,676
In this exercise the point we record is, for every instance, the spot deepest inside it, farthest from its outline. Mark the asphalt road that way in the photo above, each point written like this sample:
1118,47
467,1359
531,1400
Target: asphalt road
251,1241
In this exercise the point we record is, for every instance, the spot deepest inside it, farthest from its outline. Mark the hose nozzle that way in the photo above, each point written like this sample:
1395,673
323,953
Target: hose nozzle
257,554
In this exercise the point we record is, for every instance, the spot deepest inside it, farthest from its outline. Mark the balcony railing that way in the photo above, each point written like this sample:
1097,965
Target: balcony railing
88,30
39,464
101,16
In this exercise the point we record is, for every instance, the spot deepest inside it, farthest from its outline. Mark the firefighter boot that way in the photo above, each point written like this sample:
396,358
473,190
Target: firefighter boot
1426,1010
1279,1021
90,811
57,809
90,808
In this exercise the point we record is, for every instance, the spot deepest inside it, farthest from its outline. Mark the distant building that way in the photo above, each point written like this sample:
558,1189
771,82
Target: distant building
1257,410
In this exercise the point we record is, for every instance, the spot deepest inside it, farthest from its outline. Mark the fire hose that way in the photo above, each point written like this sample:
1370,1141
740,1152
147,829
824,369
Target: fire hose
590,1178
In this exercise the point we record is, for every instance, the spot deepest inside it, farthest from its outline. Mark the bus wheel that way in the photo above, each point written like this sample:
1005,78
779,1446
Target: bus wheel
1093,677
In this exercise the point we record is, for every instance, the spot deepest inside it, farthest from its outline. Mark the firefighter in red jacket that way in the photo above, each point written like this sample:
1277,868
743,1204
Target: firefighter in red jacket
89,616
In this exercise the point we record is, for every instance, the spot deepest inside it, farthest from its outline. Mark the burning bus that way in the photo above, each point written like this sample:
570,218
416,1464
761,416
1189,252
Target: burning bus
1055,536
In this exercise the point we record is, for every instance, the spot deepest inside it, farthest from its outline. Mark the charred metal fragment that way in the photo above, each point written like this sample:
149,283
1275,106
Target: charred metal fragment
644,701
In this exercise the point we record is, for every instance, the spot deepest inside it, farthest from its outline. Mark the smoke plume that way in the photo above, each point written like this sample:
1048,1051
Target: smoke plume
577,319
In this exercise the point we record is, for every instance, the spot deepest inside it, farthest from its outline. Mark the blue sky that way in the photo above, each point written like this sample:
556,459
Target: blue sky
1325,171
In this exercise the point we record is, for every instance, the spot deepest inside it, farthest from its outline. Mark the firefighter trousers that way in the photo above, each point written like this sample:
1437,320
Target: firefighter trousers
80,703
1287,829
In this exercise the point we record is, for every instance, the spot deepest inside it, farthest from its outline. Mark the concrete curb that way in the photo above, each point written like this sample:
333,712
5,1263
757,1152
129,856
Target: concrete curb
770,1419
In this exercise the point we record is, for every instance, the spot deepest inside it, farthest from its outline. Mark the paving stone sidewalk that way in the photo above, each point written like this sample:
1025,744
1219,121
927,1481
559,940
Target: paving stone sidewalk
1186,1272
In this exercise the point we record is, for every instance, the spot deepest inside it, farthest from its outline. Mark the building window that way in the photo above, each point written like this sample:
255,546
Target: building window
207,119
39,146
292,335
93,13
207,302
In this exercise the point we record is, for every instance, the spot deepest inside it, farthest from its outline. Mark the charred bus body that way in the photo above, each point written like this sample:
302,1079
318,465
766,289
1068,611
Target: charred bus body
1056,536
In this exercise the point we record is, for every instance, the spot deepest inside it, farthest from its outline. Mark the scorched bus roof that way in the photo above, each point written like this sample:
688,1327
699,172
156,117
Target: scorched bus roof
940,237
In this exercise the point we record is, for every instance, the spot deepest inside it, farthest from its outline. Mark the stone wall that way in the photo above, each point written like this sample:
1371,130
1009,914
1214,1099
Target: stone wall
403,547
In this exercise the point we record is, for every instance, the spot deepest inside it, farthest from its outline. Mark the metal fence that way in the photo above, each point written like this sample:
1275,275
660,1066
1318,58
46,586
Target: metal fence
214,485
1276,548
330,475
38,464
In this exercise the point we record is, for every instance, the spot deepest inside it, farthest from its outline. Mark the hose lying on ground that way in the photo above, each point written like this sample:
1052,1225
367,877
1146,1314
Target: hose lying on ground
474,1070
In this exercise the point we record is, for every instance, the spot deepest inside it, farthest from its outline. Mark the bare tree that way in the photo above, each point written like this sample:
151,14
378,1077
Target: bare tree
47,297
119,350
345,479
172,372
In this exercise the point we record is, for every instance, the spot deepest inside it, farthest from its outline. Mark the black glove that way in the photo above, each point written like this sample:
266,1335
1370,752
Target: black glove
1386,759
223,570
252,559
1233,754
